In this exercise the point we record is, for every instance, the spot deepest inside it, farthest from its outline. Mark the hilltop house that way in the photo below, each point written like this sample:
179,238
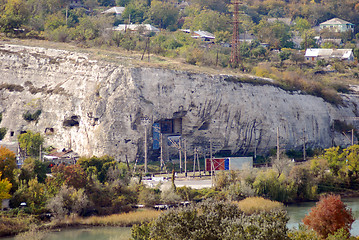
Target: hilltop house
136,27
66,156
248,38
314,54
337,25
204,35
287,21
114,10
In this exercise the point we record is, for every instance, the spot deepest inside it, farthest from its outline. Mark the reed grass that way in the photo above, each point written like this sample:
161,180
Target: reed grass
123,220
253,205
12,225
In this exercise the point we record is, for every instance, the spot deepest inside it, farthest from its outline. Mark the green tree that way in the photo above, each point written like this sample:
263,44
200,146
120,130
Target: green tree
163,14
33,168
284,55
31,143
14,15
5,187
208,20
135,11
308,39
356,53
301,25
223,36
277,34
335,161
213,220
268,184
7,163
33,193
2,133
97,166
351,156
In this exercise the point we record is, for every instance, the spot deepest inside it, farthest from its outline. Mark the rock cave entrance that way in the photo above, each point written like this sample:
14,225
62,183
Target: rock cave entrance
73,121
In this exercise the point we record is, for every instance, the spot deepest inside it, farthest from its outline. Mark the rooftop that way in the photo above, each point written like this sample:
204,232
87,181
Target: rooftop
336,21
116,10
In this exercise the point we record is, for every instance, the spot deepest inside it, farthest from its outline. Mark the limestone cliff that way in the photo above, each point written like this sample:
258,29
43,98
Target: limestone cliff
96,108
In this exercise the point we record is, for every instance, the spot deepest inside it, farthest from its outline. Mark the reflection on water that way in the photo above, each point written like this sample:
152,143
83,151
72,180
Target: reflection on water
97,233
297,212
94,233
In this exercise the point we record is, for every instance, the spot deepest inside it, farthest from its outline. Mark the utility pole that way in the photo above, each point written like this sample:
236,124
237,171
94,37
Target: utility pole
161,151
304,150
352,137
194,162
185,157
180,153
67,9
199,166
278,144
210,152
145,148
145,121
235,54
40,158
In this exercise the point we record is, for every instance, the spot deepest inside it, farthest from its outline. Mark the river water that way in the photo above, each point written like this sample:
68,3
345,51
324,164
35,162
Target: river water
296,213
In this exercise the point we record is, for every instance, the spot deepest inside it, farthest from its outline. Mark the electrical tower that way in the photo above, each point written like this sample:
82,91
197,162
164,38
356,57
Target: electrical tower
235,54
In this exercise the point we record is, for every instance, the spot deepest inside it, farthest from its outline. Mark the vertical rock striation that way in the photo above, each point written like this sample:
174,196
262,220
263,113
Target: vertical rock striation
96,108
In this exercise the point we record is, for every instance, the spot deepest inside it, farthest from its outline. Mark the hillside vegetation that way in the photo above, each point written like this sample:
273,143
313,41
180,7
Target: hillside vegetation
272,53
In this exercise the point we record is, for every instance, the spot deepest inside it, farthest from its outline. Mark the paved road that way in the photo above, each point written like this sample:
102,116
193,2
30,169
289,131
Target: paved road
193,183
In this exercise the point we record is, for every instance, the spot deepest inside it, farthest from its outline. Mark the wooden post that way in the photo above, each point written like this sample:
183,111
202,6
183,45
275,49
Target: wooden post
352,137
146,148
194,162
185,157
199,167
161,151
210,152
180,153
278,144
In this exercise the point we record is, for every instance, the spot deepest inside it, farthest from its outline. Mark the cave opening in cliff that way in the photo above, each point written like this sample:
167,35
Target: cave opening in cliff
74,121
170,126
163,131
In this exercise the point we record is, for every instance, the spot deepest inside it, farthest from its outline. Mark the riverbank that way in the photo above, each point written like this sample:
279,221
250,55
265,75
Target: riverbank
72,222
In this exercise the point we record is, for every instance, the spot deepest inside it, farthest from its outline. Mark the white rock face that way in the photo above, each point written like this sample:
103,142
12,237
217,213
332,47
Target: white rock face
105,103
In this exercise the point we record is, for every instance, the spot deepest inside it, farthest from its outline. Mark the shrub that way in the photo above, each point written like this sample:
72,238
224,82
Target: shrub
329,215
2,133
303,233
12,225
31,117
258,204
274,187
213,220
68,201
341,234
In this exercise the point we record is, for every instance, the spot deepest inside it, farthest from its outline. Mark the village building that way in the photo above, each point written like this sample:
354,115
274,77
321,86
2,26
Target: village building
63,156
314,54
287,21
247,37
337,25
204,35
114,10
146,28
